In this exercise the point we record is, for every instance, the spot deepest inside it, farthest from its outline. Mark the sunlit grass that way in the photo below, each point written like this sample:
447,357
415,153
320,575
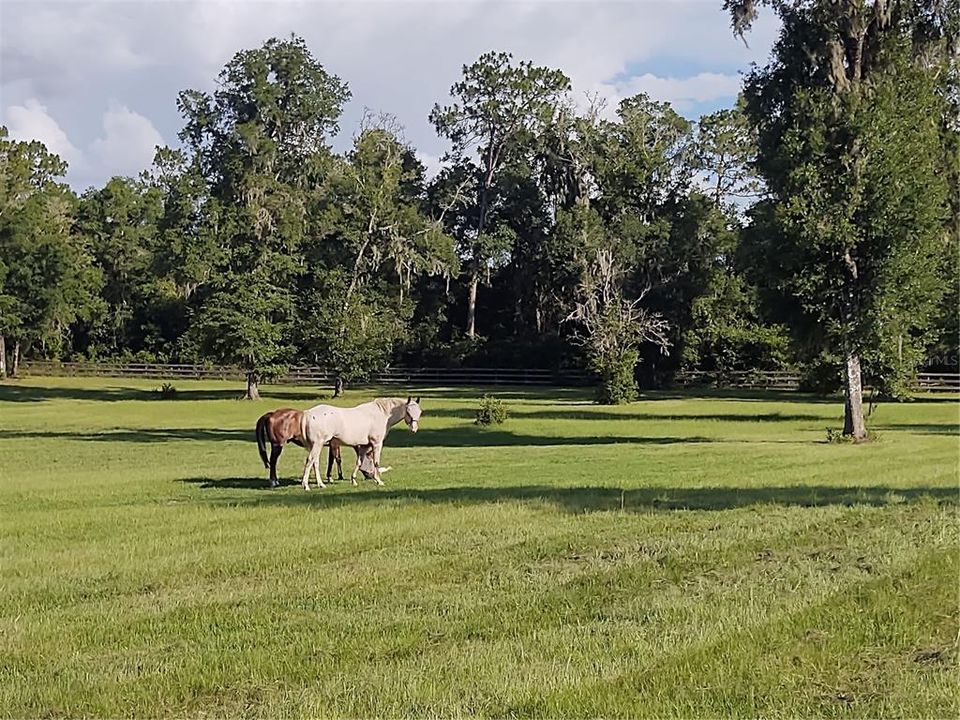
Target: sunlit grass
681,556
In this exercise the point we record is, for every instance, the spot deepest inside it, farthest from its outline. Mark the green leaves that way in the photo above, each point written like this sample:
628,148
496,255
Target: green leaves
497,102
851,150
245,321
47,279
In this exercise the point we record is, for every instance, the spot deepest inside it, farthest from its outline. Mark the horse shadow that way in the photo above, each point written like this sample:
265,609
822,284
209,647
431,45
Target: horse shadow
582,499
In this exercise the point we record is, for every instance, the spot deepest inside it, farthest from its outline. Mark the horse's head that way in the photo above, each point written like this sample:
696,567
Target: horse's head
366,465
411,413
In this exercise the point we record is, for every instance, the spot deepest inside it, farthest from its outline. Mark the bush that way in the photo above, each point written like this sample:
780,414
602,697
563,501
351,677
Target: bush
166,391
835,436
617,382
491,411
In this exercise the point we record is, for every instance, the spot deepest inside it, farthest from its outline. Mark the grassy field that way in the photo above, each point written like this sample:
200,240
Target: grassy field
681,556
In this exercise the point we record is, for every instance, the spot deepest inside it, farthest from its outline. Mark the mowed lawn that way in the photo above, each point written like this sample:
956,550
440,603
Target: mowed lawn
685,555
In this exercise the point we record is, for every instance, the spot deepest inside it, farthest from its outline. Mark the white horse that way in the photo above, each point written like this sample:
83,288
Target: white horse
366,424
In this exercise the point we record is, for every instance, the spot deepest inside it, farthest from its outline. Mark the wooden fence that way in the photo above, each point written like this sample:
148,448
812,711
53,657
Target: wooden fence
786,380
747,379
304,375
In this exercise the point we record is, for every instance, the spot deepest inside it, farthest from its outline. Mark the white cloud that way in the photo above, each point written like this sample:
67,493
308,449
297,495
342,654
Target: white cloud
682,93
126,146
397,57
128,143
31,121
431,163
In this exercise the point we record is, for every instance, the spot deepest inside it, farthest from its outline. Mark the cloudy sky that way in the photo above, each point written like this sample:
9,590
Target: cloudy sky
97,80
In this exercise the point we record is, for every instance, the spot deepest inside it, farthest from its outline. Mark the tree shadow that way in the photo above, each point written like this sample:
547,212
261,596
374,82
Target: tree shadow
475,392
589,499
468,436
579,413
952,429
923,399
35,393
144,435
471,436
745,394
116,393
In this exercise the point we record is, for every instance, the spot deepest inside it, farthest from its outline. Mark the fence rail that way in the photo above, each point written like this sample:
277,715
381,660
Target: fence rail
786,380
307,375
747,379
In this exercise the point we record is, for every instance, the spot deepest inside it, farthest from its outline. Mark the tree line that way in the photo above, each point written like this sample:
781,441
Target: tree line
814,225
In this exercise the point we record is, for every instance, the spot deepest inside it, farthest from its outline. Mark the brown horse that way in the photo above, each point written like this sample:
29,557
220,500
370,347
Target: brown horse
282,426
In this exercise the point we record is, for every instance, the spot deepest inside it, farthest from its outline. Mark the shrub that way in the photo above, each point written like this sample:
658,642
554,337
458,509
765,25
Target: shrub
617,382
491,411
166,391
835,436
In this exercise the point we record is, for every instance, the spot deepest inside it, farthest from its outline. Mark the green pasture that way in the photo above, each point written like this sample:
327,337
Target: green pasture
688,555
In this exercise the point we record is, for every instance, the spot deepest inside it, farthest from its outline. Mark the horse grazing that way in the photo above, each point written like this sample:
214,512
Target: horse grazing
282,426
366,424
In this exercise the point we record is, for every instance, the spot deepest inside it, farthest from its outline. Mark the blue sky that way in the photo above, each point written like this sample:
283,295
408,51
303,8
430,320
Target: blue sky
97,80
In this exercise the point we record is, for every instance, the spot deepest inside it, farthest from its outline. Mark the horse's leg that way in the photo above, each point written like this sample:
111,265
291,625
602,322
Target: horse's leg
316,468
275,451
330,455
313,456
353,476
376,448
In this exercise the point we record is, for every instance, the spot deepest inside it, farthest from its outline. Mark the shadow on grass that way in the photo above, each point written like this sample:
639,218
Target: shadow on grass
475,392
12,392
146,435
468,436
707,393
586,499
952,429
581,413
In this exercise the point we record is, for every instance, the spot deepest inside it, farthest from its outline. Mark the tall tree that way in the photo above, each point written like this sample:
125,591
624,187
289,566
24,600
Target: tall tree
377,242
849,148
611,328
498,105
118,224
726,148
260,142
47,280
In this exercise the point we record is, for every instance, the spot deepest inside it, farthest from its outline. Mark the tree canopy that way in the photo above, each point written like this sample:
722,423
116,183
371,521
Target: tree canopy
810,226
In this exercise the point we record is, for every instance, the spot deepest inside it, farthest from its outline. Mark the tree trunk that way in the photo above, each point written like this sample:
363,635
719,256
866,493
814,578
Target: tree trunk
472,305
253,392
853,422
16,359
338,387
3,357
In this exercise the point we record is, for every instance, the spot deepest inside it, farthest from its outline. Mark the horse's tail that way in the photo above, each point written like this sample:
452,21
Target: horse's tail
262,439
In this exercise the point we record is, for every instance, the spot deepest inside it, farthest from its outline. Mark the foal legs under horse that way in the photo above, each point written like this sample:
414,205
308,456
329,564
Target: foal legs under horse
373,452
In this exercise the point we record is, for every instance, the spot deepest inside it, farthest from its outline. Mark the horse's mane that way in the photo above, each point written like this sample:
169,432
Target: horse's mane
388,404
